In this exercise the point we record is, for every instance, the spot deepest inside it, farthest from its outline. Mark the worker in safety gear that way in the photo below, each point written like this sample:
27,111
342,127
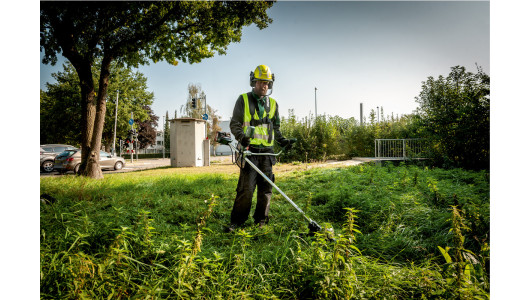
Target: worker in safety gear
256,109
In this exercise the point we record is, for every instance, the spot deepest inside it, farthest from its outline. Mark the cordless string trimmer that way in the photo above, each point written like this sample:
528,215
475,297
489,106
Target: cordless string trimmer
242,158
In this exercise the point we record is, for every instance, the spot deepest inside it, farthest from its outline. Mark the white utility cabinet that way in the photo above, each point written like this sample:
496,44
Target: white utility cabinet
189,146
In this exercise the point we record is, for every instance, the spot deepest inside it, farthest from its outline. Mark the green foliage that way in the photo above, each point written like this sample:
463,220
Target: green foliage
167,132
147,129
186,110
337,138
153,155
454,114
160,235
60,108
133,34
136,32
466,270
133,97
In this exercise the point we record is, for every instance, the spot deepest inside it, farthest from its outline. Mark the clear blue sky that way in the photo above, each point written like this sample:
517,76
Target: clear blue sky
377,53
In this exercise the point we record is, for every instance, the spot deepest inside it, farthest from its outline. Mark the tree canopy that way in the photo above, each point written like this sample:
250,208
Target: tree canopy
195,92
454,114
60,108
147,129
136,33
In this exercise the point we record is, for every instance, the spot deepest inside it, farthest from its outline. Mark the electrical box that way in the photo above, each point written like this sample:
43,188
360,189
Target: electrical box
189,146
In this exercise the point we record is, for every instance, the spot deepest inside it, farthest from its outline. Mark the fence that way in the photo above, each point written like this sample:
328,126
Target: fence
400,149
123,151
151,151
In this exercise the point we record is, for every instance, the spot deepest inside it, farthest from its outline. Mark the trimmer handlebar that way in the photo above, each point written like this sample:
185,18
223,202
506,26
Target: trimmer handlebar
250,153
225,139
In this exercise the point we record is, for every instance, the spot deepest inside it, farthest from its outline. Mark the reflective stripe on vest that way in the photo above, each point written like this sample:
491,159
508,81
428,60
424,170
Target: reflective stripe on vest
261,132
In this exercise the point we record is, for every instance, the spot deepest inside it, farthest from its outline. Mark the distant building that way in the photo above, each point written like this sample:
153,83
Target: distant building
159,142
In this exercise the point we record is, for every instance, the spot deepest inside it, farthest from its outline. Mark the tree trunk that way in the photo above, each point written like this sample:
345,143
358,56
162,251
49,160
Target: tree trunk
93,168
88,108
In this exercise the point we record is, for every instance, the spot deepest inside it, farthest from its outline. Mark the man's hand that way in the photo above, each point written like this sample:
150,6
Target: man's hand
245,141
291,143
287,144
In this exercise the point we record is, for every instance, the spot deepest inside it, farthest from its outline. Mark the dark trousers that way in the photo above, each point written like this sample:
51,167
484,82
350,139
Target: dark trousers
248,179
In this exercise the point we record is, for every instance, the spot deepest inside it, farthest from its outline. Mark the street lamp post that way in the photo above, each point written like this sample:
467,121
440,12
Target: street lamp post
115,125
361,116
132,130
205,121
163,137
316,114
205,112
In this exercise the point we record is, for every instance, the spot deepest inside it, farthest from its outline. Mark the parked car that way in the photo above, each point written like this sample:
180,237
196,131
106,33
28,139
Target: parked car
70,160
48,153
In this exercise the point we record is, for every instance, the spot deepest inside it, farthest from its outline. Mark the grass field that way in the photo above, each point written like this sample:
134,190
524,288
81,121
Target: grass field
400,232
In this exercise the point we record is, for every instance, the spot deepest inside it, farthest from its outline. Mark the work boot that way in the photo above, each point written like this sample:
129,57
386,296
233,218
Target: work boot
261,224
231,228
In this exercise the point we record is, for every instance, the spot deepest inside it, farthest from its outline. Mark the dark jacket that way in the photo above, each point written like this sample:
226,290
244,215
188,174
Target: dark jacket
236,123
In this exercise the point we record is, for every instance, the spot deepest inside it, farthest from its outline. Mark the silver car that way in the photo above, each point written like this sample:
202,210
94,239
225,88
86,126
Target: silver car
48,153
70,160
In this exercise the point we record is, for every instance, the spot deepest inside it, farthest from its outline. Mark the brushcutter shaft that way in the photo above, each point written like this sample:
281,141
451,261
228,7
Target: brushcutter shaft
278,189
312,224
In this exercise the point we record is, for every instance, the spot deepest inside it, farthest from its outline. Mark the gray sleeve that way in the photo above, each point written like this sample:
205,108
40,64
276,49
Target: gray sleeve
276,125
236,123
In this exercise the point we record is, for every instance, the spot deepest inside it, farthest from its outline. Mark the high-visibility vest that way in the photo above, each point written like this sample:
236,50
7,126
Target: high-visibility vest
264,132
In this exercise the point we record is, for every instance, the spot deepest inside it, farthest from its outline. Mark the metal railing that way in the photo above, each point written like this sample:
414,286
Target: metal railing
123,151
151,151
400,149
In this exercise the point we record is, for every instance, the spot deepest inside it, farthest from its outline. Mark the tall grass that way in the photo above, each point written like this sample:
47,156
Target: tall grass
140,235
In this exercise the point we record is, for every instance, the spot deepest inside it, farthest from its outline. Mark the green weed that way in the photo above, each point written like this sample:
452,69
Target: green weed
138,236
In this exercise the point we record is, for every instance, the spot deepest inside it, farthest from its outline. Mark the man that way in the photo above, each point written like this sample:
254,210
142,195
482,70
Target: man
256,109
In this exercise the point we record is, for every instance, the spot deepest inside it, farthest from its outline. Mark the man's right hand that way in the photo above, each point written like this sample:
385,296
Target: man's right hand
287,144
245,141
290,144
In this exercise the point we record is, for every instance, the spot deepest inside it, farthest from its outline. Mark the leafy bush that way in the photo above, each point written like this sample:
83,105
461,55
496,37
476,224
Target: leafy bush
327,137
454,114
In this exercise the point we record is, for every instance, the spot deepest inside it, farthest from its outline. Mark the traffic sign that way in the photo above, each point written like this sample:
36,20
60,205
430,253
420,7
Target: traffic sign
205,117
131,121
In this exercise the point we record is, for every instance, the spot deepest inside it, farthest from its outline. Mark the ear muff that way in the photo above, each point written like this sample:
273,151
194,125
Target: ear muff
252,79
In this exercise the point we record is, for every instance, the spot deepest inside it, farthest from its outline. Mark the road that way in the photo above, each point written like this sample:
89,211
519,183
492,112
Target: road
136,165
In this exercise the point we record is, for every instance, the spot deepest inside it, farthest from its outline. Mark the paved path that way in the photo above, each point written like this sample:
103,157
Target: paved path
136,165
222,162
142,164
227,160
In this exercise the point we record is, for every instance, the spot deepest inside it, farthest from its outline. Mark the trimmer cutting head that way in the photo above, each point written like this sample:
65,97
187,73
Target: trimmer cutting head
314,227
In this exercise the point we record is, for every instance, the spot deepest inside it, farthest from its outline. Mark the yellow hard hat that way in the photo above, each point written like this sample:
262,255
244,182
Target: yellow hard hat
262,73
